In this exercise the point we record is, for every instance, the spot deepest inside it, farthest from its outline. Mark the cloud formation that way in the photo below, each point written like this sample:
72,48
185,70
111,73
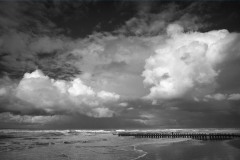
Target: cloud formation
187,64
165,53
26,119
234,96
217,96
146,23
220,97
60,96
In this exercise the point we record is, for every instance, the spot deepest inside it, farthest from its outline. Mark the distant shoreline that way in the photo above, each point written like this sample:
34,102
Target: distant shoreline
116,129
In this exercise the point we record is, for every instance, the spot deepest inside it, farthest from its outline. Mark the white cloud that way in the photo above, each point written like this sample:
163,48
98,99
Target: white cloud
217,96
174,29
3,91
8,117
186,64
147,115
78,88
101,112
35,74
60,95
235,96
220,96
123,104
146,118
107,96
196,99
7,86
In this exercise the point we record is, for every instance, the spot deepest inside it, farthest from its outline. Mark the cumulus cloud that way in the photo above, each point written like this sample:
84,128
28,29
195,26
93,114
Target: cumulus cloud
146,118
123,104
2,91
62,97
235,96
107,96
26,119
220,96
217,96
79,89
186,64
101,112
174,29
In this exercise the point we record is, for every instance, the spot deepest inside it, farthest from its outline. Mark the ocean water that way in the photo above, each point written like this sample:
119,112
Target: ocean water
104,145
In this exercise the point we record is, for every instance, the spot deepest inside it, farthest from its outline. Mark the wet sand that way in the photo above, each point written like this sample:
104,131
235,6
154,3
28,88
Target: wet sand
193,150
235,143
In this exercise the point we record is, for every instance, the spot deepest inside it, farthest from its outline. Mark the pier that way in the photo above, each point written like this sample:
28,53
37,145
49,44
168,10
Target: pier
198,136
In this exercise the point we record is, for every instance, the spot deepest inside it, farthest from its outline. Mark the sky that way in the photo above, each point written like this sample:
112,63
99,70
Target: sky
77,64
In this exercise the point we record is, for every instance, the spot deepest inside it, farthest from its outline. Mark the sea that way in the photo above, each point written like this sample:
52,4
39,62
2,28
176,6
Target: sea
107,145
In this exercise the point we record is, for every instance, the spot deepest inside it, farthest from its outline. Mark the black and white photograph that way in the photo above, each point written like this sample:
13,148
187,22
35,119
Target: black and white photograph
119,79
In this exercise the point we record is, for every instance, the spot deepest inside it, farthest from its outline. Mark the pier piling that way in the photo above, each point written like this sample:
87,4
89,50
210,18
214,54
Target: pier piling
199,136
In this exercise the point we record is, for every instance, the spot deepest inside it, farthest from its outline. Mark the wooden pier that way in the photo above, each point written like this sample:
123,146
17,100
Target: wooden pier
199,136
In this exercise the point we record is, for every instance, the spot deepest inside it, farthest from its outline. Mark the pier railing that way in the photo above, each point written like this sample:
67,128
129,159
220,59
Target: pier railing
199,136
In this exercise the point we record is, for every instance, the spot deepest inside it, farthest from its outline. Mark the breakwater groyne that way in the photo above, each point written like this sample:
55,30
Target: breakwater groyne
199,136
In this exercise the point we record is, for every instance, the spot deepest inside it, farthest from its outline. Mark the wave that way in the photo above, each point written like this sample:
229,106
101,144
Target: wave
139,150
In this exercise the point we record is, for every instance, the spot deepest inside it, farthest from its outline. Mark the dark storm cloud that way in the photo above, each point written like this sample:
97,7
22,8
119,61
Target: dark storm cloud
27,32
148,23
78,18
56,66
25,16
21,53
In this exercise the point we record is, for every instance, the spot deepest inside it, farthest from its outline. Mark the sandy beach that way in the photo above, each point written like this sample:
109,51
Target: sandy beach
193,149
79,145
234,143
